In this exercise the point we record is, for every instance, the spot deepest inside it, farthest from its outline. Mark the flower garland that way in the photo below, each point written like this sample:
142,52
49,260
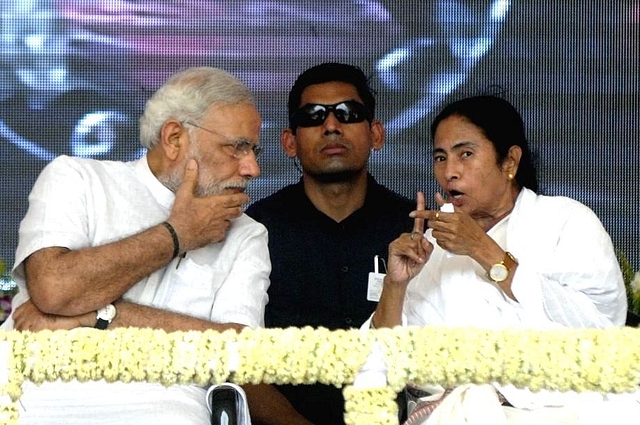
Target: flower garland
371,406
300,356
579,360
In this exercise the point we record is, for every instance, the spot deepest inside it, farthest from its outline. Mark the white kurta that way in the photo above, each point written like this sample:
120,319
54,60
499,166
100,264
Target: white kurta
77,203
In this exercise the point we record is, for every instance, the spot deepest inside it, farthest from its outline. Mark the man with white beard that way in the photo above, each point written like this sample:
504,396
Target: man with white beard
161,242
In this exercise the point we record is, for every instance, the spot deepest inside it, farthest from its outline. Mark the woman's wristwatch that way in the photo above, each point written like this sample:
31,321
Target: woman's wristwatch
499,272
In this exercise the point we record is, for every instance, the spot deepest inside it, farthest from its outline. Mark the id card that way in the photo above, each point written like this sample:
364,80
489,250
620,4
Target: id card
374,288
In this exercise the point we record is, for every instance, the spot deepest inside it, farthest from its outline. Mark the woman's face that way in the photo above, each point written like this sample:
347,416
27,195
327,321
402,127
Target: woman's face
466,168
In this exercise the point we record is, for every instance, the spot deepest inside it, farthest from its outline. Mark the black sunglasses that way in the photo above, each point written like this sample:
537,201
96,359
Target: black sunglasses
314,114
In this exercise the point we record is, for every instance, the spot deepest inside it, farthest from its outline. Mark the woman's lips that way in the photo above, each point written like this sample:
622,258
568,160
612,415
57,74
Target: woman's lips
455,197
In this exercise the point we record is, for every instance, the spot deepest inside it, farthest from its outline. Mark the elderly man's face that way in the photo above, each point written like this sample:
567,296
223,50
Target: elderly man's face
221,170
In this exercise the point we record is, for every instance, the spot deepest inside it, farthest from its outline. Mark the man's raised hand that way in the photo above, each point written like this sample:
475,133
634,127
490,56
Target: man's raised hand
200,221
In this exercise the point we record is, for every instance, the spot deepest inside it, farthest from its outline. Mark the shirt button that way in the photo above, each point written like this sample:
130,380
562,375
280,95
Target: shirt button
348,321
345,269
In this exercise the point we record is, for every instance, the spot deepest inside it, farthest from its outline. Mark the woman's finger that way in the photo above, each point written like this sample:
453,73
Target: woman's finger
418,222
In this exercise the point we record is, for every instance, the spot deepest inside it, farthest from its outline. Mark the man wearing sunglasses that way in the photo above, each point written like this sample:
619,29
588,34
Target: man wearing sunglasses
160,242
325,230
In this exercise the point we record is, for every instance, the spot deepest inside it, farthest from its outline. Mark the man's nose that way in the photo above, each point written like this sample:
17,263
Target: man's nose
332,125
249,166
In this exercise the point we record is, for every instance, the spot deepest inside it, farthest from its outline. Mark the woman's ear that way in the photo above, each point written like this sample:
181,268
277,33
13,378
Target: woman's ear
512,161
288,142
172,138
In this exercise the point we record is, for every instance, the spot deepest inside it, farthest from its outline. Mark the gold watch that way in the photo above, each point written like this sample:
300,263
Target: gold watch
499,272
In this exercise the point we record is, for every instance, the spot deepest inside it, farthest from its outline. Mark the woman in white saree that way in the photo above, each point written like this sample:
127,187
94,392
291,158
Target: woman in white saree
496,254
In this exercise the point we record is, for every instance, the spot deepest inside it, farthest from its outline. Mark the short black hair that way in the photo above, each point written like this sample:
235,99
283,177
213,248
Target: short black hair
329,72
502,124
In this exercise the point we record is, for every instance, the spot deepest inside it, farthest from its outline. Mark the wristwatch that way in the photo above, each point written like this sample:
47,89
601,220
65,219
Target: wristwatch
104,316
500,271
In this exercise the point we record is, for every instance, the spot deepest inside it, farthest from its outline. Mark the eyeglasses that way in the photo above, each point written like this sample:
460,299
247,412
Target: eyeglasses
314,114
241,147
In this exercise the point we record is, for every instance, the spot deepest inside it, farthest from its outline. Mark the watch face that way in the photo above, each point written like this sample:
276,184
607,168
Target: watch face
498,272
108,312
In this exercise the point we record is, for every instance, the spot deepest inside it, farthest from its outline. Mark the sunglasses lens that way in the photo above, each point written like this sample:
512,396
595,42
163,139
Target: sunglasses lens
313,115
350,112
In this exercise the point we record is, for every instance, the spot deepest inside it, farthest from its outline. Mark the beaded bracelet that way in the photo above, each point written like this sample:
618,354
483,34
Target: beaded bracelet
174,236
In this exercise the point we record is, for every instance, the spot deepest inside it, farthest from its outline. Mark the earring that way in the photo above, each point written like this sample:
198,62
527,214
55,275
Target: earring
510,176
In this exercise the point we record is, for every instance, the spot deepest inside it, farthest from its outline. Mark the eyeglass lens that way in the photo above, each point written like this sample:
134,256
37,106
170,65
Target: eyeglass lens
313,114
242,148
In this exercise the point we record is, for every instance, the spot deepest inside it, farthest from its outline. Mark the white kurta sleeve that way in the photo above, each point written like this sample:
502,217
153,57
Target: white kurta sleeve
242,297
568,269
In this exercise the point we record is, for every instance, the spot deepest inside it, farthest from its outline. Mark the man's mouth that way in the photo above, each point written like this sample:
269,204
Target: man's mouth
235,189
333,148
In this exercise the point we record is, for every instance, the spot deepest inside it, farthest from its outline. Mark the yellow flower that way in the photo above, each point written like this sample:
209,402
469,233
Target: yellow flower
371,406
578,360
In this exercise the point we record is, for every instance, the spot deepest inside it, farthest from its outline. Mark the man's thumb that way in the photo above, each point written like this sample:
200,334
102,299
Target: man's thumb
190,178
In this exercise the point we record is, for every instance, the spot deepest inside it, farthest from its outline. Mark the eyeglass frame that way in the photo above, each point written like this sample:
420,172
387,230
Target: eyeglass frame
241,146
294,120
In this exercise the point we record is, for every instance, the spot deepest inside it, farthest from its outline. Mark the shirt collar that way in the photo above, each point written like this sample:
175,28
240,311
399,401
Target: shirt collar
160,192
373,192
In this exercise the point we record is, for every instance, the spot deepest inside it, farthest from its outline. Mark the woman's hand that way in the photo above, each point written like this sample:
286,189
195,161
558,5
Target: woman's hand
411,251
407,255
461,234
456,232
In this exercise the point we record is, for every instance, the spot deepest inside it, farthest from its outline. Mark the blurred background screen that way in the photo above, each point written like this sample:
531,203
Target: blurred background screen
74,76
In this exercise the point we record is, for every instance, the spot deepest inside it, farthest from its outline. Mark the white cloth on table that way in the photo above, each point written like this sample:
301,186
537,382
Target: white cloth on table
479,405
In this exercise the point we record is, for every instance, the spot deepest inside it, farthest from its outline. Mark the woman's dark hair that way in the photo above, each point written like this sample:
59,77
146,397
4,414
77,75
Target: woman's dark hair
329,72
501,124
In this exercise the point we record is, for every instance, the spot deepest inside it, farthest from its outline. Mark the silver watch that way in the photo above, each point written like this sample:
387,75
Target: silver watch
105,316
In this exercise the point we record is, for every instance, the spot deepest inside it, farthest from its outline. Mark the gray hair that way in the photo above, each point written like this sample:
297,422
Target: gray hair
187,96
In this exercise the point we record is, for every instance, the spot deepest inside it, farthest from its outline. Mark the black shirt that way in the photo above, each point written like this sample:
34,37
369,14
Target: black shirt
320,271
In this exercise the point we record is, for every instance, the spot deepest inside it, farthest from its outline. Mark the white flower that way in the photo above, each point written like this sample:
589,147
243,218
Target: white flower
566,359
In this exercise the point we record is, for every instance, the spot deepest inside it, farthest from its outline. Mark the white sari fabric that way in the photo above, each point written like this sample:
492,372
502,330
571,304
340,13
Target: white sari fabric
471,404
567,276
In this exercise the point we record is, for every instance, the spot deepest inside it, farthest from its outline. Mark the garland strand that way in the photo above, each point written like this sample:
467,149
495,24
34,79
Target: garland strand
578,360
